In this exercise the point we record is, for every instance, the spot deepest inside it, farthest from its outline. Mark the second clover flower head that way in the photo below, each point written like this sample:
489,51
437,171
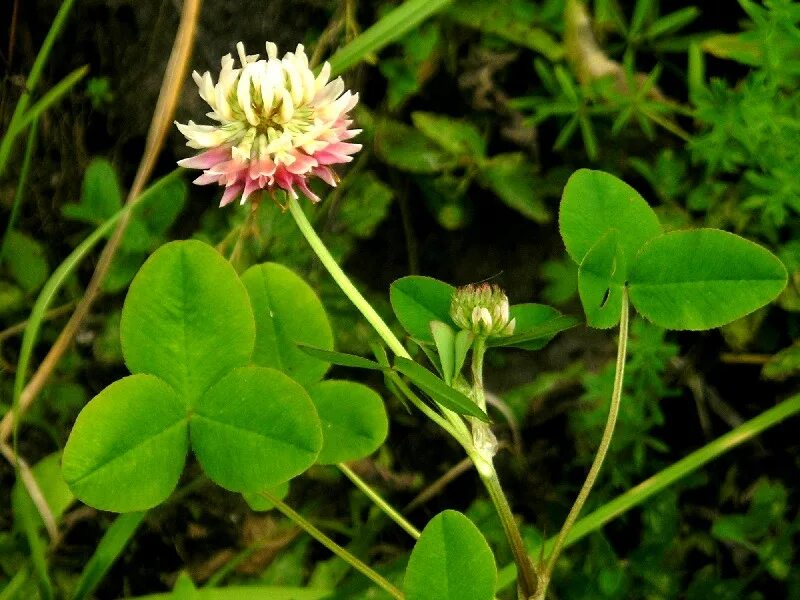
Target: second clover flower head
482,309
277,125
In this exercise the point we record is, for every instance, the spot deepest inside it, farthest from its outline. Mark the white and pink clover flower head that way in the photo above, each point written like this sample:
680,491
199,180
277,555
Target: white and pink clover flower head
277,125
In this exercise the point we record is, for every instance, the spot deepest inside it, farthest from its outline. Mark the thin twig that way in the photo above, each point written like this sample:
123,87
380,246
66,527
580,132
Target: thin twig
436,488
50,314
172,83
34,491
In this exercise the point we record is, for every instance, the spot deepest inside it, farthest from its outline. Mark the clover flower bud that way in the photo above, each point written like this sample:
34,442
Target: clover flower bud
482,309
277,125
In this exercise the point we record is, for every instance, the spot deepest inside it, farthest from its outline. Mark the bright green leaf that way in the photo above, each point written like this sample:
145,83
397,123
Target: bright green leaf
601,281
438,390
259,503
462,343
255,428
354,421
535,325
451,561
704,278
341,358
287,313
594,202
128,446
445,339
417,301
187,318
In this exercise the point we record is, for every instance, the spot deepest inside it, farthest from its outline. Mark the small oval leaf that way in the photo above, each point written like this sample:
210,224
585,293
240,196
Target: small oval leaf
417,301
703,278
187,318
354,421
128,446
451,561
255,428
594,202
288,312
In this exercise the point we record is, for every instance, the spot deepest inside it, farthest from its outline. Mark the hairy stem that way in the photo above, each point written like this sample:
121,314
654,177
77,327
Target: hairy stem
376,498
605,442
333,546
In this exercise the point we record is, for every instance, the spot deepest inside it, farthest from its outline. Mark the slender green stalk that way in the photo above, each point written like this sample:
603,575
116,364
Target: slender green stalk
639,494
48,294
390,511
425,409
13,587
389,28
43,301
52,96
478,352
32,81
528,579
454,424
343,281
19,194
605,442
323,539
108,551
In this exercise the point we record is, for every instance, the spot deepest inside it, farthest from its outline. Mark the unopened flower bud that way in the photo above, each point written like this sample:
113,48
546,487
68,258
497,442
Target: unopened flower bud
482,309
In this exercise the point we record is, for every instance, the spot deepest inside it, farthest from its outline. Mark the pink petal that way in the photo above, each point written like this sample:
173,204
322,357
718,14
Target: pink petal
206,159
302,164
231,192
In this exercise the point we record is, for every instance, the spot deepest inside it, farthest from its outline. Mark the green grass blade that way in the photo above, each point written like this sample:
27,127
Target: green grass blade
13,587
23,179
663,479
52,96
54,283
112,544
33,77
391,27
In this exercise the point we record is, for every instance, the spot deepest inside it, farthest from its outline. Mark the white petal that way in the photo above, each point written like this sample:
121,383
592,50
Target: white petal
243,95
324,75
295,81
287,107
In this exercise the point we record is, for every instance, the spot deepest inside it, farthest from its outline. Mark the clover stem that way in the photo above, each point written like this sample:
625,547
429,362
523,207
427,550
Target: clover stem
387,508
343,281
333,546
605,442
528,578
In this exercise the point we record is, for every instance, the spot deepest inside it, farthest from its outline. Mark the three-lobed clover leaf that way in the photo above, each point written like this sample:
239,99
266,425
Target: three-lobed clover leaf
188,334
694,279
